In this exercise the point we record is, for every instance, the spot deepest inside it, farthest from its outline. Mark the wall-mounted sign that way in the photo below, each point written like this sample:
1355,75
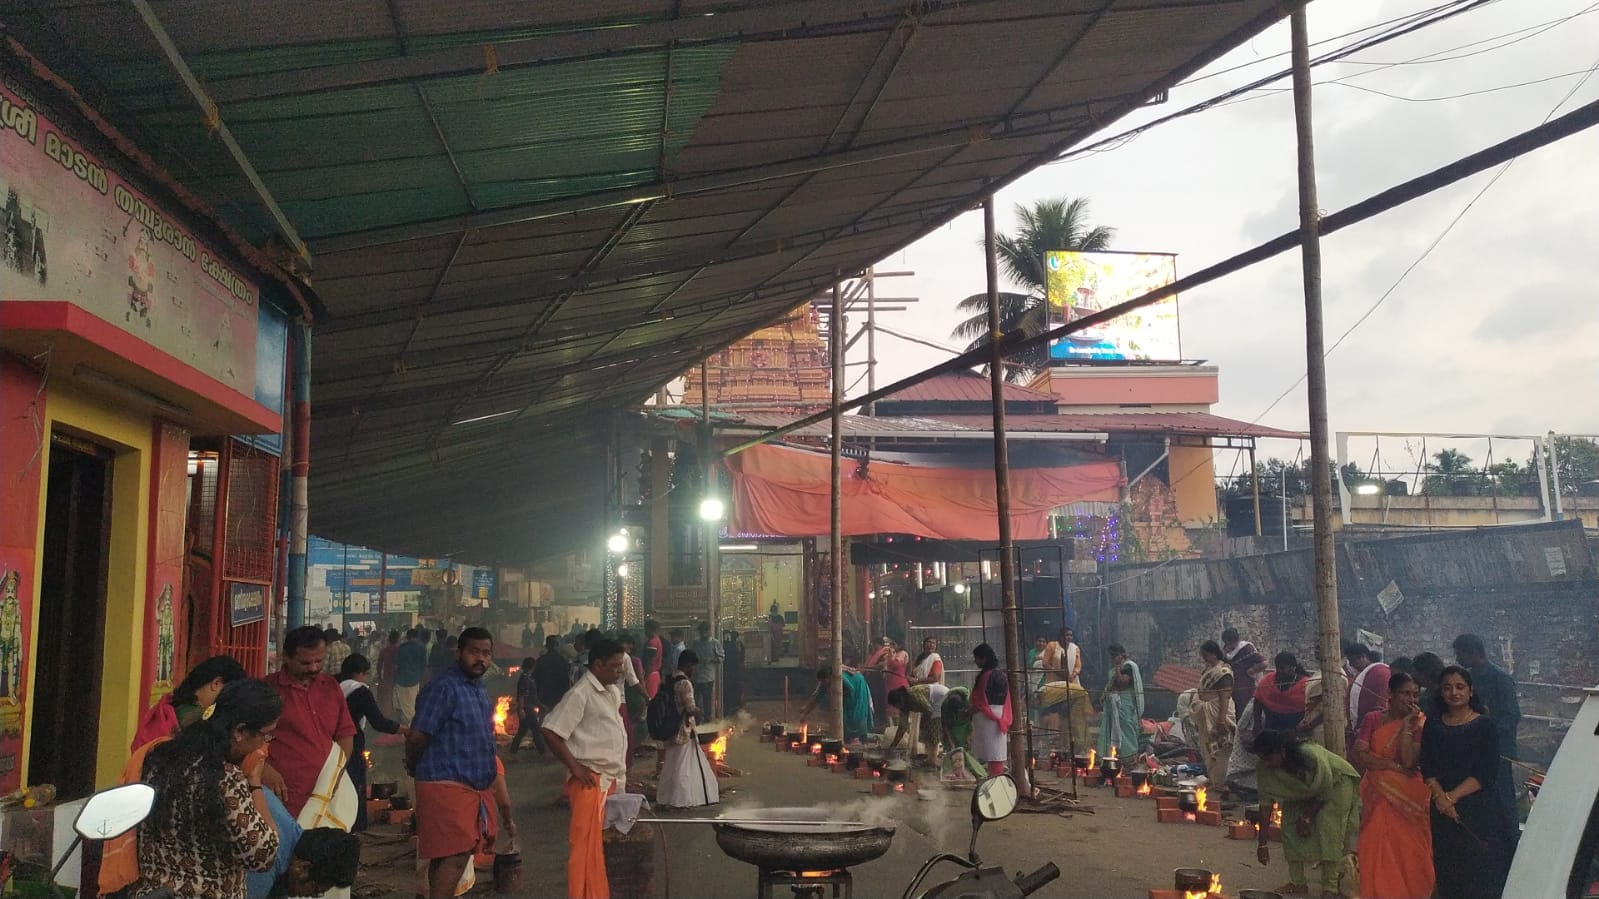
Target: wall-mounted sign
246,603
484,581
76,230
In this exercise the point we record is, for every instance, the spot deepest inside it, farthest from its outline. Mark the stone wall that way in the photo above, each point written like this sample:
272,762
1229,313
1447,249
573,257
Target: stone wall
1531,592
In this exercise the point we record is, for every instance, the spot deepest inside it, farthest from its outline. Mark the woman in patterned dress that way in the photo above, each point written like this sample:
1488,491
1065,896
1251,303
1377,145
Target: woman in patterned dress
211,822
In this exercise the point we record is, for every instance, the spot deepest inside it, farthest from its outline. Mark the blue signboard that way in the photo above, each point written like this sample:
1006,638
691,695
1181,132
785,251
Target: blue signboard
247,603
484,582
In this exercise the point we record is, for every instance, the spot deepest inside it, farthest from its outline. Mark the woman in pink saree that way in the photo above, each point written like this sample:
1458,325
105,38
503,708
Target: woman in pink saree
1395,833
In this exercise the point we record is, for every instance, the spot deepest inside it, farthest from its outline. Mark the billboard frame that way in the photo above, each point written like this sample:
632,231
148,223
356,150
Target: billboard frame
1051,322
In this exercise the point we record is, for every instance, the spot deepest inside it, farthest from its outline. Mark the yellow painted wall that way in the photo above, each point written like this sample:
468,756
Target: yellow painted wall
129,434
1193,470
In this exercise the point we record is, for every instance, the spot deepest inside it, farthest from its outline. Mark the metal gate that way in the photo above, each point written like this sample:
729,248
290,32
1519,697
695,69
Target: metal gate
955,645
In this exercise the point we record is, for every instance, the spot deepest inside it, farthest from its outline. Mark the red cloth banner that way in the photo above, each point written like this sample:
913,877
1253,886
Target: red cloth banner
786,492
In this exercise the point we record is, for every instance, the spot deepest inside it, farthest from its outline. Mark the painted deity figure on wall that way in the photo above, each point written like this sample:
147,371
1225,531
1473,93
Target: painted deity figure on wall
10,653
141,278
165,638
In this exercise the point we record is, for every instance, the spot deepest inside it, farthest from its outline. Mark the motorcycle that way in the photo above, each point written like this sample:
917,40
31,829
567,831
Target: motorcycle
994,798
107,815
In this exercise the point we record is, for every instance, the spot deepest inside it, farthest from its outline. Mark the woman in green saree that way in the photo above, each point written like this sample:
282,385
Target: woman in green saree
1121,706
1319,794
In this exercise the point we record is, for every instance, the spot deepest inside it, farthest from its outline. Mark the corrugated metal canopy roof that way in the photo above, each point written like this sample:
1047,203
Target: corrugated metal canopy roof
553,208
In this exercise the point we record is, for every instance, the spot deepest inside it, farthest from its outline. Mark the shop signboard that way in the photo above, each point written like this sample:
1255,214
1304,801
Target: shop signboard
76,230
1079,284
484,581
246,603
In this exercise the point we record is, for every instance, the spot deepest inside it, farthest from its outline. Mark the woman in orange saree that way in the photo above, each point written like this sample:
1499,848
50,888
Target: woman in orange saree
1395,845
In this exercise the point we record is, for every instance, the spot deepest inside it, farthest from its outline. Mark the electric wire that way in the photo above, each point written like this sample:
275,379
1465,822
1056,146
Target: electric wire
1412,25
1430,247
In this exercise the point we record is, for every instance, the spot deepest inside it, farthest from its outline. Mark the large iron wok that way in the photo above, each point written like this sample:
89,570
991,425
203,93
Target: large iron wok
801,839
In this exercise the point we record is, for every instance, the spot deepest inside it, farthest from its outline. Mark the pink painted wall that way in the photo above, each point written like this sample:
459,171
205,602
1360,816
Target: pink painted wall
21,432
1111,389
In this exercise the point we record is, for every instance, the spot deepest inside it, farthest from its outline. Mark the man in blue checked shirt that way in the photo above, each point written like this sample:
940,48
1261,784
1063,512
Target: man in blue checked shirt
450,752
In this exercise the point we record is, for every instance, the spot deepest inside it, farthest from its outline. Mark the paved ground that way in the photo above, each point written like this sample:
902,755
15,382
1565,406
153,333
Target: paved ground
1119,851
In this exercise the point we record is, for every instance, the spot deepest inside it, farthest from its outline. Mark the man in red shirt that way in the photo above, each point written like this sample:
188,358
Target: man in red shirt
315,717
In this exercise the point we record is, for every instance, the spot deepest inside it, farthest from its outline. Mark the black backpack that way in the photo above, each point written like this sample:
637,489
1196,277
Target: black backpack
662,717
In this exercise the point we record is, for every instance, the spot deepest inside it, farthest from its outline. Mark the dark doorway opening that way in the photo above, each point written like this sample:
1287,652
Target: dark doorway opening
72,609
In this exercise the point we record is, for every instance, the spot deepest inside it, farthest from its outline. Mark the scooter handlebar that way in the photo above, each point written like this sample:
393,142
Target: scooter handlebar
1035,881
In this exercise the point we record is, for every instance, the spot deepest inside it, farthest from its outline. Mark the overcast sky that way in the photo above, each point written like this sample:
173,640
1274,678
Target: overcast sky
1497,331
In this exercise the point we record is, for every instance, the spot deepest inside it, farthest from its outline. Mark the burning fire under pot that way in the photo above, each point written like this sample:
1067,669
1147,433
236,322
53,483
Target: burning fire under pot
1197,883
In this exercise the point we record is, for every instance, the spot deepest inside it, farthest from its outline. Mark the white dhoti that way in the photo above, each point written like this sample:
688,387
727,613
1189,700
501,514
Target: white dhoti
988,740
687,779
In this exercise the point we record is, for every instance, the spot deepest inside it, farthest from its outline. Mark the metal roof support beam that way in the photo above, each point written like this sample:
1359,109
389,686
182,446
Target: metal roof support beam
1031,124
751,22
213,121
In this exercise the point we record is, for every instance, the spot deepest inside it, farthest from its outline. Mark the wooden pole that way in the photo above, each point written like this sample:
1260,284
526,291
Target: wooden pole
1254,485
835,687
1015,670
1329,646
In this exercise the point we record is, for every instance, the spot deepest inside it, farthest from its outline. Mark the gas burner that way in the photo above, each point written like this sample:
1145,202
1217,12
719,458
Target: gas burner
834,884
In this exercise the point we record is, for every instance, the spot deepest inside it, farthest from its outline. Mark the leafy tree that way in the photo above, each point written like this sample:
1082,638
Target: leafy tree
1452,473
1577,460
1277,474
1058,224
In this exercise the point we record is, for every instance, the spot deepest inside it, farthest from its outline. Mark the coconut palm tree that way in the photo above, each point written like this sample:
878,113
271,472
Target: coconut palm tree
1058,224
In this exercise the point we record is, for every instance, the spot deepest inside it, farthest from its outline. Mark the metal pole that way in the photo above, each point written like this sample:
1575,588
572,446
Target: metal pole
1329,648
1020,739
1554,469
713,549
1285,509
1254,485
871,336
299,502
835,687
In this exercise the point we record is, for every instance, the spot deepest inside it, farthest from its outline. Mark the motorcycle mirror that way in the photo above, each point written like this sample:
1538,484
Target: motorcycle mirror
994,798
111,813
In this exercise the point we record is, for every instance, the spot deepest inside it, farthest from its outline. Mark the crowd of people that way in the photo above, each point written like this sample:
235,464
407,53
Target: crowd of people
1426,798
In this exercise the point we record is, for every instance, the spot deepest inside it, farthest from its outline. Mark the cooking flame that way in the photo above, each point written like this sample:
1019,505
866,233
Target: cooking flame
899,788
816,749
1276,814
502,711
1195,894
1190,816
1199,796
832,759
1093,756
716,749
805,733
1112,752
1215,883
1144,790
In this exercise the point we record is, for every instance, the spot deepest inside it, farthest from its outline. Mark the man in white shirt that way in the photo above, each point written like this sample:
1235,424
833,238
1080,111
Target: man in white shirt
585,732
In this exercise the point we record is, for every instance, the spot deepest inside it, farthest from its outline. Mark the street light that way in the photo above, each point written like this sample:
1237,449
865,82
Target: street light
616,543
959,589
711,509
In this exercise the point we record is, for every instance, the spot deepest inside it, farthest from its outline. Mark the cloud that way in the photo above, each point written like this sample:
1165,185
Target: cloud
1493,329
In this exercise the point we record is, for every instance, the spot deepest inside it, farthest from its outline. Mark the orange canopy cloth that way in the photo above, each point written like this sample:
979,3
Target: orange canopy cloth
786,492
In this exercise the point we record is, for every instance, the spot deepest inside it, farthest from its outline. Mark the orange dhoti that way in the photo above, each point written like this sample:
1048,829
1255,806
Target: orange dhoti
585,860
451,819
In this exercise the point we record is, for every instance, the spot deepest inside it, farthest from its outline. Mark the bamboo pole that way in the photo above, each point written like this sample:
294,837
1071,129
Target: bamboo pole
1014,669
835,687
1329,644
